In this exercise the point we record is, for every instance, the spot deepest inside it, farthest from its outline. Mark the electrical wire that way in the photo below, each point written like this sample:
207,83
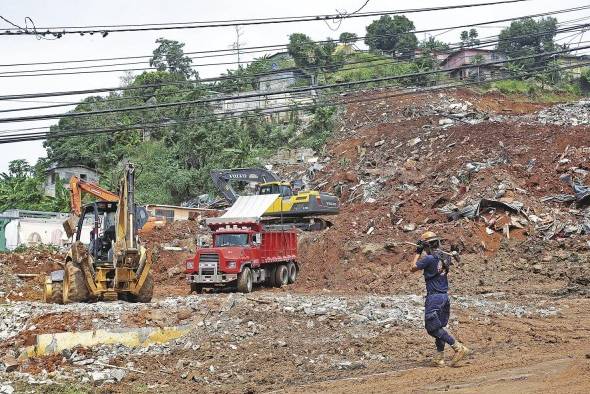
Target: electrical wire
191,83
44,72
108,29
67,134
287,91
345,67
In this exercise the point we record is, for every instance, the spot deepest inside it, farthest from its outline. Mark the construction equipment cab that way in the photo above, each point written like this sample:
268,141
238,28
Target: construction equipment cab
114,265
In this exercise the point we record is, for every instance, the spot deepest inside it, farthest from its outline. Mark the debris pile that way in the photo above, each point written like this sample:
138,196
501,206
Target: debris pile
481,181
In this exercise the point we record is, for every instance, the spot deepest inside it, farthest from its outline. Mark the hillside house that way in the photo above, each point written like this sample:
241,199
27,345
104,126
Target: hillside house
476,58
62,174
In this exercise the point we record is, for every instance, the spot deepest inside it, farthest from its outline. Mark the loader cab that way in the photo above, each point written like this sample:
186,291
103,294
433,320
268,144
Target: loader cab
282,188
102,215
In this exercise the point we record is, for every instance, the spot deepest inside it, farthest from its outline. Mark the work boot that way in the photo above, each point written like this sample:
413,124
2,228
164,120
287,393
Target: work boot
439,359
460,352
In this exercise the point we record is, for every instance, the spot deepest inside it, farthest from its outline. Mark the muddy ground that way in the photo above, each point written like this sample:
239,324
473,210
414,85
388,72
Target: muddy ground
353,321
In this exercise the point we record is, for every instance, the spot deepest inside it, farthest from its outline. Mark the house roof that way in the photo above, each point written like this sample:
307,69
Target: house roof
460,51
55,167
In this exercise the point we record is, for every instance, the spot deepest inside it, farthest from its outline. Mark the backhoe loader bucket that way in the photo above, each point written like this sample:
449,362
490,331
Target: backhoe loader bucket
71,224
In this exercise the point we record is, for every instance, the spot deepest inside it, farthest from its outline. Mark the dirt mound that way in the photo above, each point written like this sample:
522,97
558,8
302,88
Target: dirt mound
456,163
22,272
171,245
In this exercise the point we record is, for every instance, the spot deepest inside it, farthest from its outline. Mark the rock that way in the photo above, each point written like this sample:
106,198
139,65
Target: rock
350,177
537,268
414,141
117,374
281,343
98,376
446,122
409,227
349,365
10,363
174,271
6,389
379,143
183,314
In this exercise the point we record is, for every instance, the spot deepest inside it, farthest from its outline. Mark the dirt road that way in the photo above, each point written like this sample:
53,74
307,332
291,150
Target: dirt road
532,356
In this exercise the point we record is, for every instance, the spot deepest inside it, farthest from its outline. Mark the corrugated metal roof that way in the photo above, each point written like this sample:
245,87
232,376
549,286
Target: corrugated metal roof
250,206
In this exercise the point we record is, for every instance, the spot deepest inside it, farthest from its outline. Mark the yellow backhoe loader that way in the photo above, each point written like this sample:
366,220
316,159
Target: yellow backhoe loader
115,264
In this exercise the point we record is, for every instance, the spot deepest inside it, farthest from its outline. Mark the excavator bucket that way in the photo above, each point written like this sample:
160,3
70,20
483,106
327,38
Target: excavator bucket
71,224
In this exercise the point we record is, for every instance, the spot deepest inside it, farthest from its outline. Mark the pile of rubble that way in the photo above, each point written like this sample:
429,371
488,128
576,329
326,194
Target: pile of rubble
21,272
229,331
479,174
577,113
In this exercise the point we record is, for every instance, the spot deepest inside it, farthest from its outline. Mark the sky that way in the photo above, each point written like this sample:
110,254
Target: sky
24,49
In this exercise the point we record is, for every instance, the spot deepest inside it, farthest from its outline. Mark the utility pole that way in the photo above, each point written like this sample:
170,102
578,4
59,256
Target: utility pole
237,44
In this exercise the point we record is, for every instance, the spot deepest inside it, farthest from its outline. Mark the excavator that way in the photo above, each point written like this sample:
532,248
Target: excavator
115,265
299,207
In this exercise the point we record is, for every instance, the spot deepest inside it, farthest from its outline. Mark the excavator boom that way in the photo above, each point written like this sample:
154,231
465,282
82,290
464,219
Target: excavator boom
222,179
80,186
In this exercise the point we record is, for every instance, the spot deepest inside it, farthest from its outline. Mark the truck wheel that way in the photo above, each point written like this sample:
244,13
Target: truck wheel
245,281
281,276
292,269
270,276
146,292
196,288
74,284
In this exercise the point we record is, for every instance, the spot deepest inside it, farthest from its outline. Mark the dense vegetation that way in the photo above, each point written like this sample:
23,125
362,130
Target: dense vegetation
175,147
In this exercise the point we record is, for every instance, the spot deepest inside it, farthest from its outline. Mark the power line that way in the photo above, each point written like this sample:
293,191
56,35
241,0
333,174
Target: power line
361,64
181,83
45,72
108,29
66,134
287,91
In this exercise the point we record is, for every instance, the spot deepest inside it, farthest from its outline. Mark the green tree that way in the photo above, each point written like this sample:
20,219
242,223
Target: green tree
585,75
469,38
432,44
313,57
529,37
22,188
392,35
169,56
347,38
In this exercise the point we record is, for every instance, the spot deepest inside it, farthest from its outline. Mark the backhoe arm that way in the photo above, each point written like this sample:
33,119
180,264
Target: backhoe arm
77,188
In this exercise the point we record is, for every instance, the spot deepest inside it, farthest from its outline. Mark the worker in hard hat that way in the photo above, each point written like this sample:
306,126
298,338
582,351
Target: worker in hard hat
437,308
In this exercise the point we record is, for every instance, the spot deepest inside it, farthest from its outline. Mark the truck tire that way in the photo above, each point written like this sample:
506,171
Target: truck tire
281,275
56,294
74,284
270,276
245,280
196,288
146,292
292,269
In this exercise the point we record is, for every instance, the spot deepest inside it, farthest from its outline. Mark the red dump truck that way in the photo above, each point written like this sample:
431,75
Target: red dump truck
244,253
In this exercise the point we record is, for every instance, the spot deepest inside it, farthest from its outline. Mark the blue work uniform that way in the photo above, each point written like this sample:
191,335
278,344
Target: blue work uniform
437,307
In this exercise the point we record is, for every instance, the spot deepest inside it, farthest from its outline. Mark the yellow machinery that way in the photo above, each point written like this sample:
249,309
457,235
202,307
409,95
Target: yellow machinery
115,264
298,207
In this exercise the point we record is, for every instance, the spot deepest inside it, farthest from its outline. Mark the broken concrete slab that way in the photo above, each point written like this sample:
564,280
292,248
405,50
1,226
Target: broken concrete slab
131,337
